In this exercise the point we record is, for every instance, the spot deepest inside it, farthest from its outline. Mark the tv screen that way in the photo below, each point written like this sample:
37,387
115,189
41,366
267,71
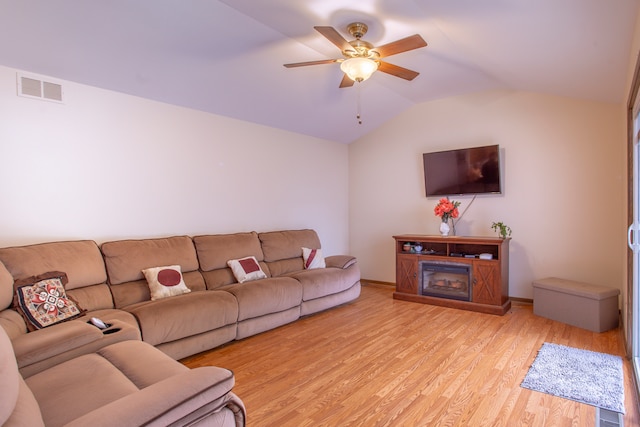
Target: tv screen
464,171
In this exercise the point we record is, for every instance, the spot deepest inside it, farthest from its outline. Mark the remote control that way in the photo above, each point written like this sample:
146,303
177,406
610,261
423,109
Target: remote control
98,323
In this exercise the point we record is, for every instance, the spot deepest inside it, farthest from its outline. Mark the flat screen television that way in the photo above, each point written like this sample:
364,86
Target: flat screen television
464,171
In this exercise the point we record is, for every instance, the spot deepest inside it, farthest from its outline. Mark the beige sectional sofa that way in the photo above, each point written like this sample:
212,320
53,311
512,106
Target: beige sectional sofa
129,383
107,281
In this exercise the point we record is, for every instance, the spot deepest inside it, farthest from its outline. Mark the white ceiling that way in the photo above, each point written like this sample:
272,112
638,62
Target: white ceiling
226,56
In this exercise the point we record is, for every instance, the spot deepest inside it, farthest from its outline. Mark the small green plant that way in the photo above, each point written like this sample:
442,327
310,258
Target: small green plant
502,229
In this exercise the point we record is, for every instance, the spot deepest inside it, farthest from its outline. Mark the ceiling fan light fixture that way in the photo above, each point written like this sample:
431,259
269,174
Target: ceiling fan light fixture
359,69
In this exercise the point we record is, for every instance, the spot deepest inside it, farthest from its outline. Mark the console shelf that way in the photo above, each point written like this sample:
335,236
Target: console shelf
488,258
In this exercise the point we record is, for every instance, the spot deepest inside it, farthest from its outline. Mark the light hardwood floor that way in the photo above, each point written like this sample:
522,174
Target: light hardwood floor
382,362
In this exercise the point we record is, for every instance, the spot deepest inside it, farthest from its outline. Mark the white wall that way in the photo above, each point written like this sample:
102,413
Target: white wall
105,166
563,184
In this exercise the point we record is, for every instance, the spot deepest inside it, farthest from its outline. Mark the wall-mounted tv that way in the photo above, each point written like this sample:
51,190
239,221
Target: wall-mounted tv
465,171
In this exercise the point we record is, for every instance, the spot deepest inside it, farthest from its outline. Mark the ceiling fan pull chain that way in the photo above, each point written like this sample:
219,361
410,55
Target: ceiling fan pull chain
358,104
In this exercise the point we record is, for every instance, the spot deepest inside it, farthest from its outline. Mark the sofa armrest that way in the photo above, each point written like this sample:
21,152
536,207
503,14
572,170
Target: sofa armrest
13,323
41,349
48,342
179,399
340,261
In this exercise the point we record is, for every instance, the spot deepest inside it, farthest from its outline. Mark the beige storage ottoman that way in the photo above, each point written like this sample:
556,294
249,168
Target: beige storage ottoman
586,306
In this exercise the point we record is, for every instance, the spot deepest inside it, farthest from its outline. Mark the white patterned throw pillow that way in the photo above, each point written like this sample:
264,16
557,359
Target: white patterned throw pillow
313,258
246,269
165,281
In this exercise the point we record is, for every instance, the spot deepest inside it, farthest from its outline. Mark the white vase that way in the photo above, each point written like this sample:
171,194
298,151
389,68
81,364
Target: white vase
444,228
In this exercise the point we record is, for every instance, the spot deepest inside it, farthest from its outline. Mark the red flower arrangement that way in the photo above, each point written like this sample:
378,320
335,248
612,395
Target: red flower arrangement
446,209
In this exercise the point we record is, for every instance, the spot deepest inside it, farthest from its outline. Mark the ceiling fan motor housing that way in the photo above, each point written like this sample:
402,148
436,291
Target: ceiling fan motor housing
362,48
357,29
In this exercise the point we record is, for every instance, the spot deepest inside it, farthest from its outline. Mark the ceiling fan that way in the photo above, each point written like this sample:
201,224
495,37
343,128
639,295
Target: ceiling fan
361,58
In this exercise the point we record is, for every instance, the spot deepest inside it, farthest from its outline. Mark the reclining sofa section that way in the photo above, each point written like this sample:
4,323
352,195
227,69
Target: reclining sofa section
108,283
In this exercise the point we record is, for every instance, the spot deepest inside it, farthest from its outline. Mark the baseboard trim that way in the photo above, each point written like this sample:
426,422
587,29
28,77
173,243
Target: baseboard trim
379,282
521,300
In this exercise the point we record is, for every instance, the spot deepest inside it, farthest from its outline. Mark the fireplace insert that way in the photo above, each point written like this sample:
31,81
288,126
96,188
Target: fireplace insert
444,279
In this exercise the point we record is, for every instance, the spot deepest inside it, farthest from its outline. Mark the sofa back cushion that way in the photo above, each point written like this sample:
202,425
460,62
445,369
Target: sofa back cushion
283,249
125,260
6,287
214,250
80,260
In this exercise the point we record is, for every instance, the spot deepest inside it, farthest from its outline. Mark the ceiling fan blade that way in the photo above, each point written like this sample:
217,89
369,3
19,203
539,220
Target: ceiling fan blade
304,64
395,70
408,43
346,82
334,37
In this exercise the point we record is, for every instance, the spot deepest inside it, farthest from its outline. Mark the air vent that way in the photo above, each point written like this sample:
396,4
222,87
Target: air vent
34,87
607,418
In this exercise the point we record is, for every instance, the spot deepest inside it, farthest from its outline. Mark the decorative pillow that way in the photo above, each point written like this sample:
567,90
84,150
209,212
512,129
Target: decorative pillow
313,258
165,281
43,302
246,269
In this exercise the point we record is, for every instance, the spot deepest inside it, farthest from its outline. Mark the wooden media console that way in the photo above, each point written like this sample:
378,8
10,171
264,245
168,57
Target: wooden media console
470,273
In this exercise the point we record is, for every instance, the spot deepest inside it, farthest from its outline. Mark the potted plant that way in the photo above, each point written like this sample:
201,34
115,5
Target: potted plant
502,229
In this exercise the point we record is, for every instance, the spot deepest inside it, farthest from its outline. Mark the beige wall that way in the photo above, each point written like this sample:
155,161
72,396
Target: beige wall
106,165
563,184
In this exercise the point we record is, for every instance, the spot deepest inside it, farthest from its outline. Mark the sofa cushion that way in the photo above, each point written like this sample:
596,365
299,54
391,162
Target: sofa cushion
13,323
78,386
313,258
27,411
326,281
90,298
80,260
214,250
128,293
283,249
9,378
125,259
199,397
286,266
6,287
18,406
246,269
266,296
216,279
279,245
144,365
165,281
43,301
86,383
184,315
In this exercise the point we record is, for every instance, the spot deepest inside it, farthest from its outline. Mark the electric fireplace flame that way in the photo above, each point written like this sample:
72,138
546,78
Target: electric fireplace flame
445,280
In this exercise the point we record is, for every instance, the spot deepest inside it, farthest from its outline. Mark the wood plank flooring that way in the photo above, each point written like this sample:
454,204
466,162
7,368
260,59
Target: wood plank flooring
384,362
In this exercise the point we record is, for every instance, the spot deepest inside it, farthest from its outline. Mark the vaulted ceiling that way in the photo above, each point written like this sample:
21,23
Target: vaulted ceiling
226,57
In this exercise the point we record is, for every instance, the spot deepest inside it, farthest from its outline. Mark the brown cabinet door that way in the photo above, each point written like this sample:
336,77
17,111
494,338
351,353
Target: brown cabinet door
486,282
407,274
